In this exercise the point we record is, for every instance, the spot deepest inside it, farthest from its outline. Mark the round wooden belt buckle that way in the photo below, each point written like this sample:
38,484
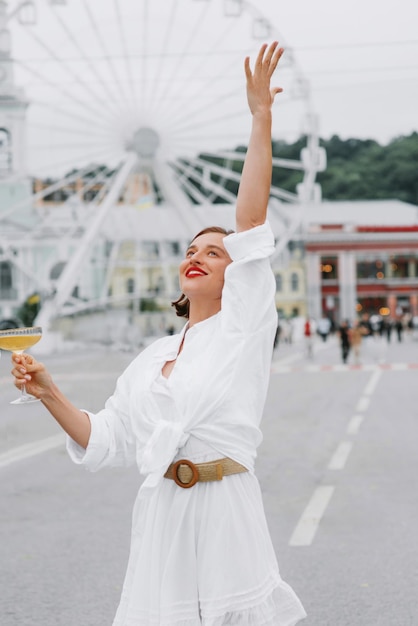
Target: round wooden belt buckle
195,473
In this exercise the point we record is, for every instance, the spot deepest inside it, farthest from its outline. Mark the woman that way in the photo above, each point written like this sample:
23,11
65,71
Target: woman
200,551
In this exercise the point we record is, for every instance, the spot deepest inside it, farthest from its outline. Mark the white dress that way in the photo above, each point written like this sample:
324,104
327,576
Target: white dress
200,556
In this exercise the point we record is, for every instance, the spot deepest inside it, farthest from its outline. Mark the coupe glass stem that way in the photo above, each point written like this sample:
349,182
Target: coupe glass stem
24,397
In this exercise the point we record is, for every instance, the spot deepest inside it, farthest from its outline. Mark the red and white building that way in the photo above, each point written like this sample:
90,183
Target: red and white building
361,257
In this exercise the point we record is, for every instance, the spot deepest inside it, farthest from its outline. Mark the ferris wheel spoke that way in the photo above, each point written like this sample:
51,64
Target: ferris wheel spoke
61,63
155,88
103,47
218,169
215,101
74,148
204,180
197,124
88,62
184,181
125,55
84,104
144,65
210,105
184,55
282,194
67,131
55,166
211,82
58,109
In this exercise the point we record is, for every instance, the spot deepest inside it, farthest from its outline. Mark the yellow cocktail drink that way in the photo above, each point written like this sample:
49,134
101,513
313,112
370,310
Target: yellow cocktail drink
18,343
18,340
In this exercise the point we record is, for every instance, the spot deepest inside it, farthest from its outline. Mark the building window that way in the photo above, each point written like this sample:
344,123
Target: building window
294,282
130,285
329,268
5,275
5,152
371,269
279,282
151,250
175,248
399,266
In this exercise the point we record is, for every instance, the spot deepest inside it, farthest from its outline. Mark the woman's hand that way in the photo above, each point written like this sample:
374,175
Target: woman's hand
30,372
259,93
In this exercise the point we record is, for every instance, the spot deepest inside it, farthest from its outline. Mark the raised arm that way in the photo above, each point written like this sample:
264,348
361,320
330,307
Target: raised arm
254,189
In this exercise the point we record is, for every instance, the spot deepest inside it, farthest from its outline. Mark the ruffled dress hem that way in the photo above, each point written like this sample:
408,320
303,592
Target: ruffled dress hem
280,607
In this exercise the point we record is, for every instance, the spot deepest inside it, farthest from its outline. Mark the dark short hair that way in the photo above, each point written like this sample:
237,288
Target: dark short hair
182,304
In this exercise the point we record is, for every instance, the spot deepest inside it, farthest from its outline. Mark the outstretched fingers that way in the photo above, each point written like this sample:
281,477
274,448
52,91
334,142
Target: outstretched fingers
260,57
274,58
260,93
267,60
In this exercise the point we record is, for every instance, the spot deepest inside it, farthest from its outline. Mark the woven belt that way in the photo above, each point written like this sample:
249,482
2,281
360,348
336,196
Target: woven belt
186,474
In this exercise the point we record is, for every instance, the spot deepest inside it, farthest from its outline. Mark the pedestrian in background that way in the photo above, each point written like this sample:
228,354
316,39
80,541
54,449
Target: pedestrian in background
399,329
356,337
344,332
324,327
388,326
308,332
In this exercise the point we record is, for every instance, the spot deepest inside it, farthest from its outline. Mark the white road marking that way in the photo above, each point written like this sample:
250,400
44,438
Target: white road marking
280,367
363,404
371,385
7,380
354,424
31,449
306,528
340,456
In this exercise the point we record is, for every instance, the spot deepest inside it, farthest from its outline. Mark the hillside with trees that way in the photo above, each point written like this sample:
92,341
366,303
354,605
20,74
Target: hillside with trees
359,169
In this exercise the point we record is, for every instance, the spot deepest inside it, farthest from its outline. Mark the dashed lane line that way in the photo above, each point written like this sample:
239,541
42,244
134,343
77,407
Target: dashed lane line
340,456
308,524
354,424
31,449
372,384
363,404
306,528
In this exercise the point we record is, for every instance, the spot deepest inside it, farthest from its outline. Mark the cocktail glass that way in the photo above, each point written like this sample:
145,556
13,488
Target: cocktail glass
17,340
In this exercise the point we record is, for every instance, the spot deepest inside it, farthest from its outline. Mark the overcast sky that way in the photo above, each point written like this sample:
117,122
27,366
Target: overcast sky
94,71
361,58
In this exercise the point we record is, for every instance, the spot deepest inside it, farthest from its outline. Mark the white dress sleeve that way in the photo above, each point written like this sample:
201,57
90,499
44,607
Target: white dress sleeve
249,289
111,442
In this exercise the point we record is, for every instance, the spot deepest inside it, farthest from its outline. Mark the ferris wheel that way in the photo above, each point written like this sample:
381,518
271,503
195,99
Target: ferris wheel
157,85
167,74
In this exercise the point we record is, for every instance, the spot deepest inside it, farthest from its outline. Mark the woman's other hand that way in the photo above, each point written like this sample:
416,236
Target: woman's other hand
30,372
259,93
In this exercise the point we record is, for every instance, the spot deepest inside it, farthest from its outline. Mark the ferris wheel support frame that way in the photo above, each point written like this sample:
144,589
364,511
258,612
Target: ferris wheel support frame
69,276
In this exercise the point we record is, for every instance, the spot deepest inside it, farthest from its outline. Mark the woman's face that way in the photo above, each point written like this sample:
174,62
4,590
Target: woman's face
203,269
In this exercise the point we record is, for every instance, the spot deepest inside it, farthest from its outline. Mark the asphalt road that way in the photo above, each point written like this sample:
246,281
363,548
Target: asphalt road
338,468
